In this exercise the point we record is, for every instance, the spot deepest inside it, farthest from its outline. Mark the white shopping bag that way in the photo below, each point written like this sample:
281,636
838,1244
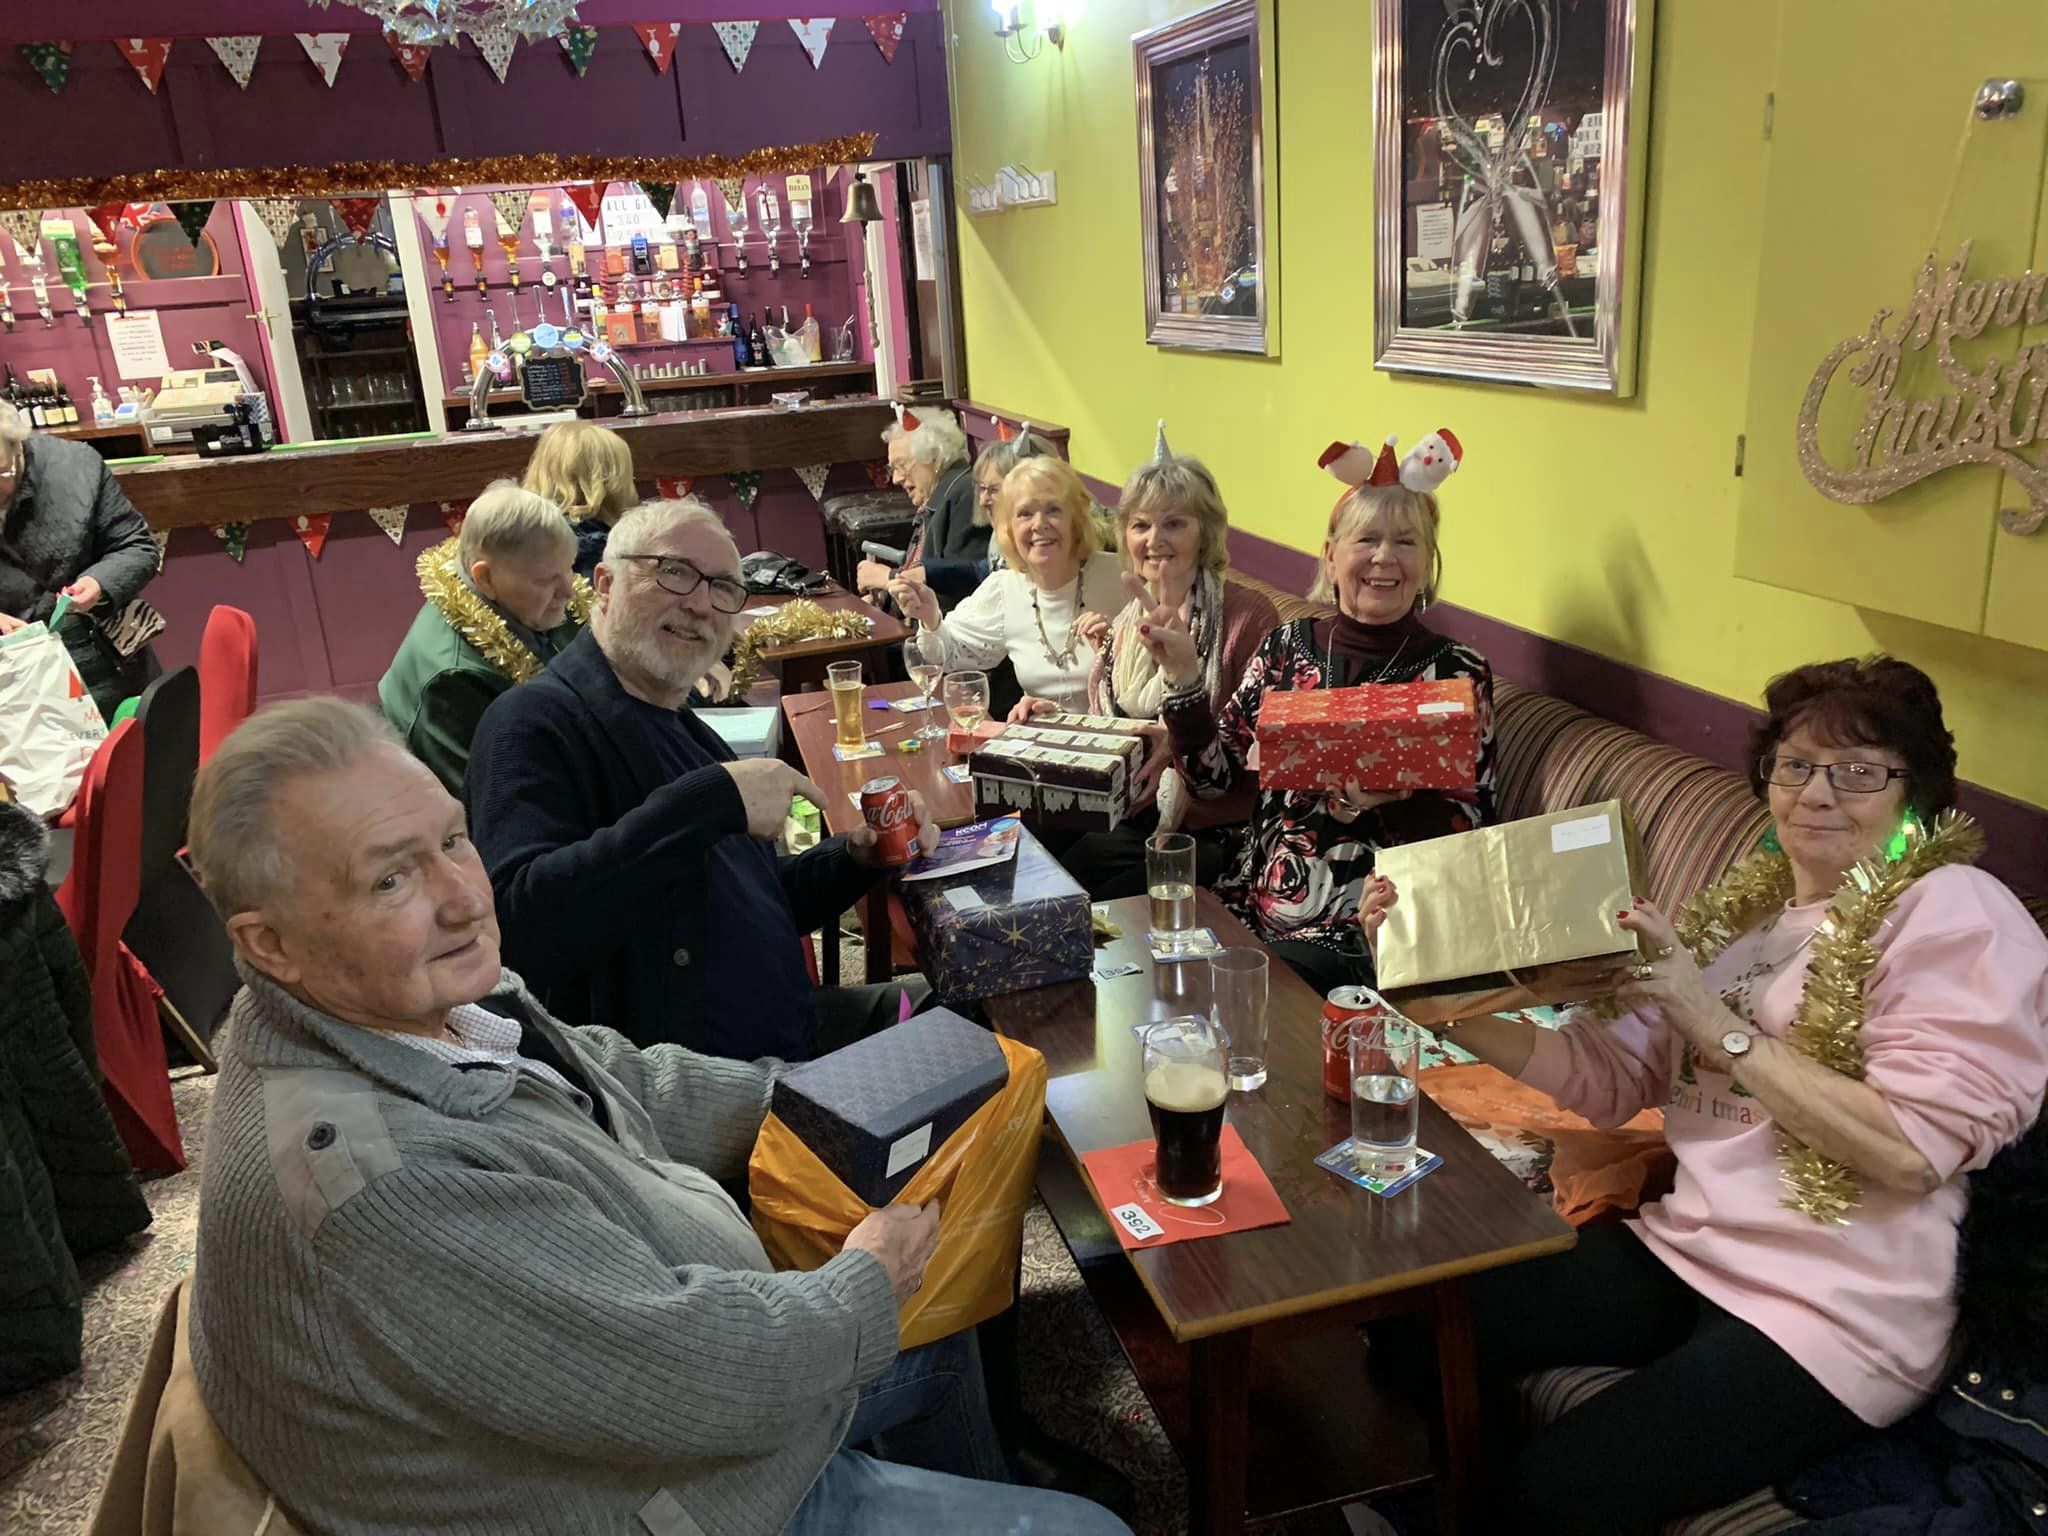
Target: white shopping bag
49,725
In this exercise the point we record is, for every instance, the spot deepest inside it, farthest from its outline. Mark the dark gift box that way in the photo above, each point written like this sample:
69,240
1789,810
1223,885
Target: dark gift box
874,1111
1023,923
1065,785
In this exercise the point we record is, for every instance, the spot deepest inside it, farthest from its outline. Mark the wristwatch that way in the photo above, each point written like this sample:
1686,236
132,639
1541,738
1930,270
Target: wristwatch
1736,1043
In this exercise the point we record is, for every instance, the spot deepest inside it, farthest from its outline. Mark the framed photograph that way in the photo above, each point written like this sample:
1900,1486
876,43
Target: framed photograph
1211,203
1508,157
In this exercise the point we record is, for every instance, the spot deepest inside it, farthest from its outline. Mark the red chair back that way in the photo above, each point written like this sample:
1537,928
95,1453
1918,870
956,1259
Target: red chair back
227,675
99,894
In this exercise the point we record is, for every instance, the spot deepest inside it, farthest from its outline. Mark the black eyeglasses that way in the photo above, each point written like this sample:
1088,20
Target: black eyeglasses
674,574
1848,778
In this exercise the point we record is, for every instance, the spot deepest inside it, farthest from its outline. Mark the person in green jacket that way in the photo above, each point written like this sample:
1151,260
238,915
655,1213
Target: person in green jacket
502,602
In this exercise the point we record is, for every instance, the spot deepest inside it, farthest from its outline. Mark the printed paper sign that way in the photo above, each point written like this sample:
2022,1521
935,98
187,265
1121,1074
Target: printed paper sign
1435,228
1441,707
1586,832
137,339
909,1150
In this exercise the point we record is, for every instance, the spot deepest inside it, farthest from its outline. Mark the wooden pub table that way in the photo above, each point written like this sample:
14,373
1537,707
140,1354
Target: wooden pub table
1247,1343
802,666
810,736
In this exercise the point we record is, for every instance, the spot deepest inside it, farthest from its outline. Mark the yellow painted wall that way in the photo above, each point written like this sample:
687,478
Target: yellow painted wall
1609,524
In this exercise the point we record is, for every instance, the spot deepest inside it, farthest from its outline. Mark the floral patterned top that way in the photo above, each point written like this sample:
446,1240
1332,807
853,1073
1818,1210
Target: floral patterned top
1302,870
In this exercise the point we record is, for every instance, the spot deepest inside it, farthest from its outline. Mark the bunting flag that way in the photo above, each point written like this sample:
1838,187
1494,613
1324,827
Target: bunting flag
50,60
878,473
435,209
737,37
579,43
453,513
391,520
732,189
588,196
148,55
162,540
107,220
746,484
325,50
659,39
673,487
812,32
660,193
887,31
280,215
412,57
237,55
25,225
235,536
358,213
313,531
192,217
509,208
497,51
813,477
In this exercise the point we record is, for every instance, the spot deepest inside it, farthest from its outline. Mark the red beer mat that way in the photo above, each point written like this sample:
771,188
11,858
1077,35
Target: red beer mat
1141,1217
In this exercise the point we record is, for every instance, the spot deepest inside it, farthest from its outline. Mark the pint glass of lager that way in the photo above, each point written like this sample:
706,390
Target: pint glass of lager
1185,1086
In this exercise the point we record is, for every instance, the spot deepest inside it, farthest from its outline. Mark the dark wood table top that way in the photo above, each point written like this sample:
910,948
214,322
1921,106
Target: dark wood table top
884,629
1342,1243
810,725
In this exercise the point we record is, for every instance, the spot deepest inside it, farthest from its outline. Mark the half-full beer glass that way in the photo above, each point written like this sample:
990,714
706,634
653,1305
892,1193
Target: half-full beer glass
1185,1088
844,680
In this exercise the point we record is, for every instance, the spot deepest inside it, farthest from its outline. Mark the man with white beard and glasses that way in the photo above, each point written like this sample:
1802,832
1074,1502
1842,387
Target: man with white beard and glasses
632,858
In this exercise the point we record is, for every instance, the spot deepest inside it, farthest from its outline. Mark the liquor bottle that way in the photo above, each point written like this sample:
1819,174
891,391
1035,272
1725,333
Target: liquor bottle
813,343
758,340
38,415
742,350
67,409
478,350
473,237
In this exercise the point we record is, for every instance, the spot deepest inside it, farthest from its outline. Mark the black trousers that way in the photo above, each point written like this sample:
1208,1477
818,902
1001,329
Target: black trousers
1112,864
1714,1411
1324,968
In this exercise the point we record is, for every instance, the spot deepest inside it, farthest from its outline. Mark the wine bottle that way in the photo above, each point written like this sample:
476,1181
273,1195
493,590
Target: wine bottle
759,341
67,409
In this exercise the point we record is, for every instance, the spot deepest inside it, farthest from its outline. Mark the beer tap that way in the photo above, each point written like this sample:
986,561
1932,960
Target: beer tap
6,305
737,217
41,284
544,243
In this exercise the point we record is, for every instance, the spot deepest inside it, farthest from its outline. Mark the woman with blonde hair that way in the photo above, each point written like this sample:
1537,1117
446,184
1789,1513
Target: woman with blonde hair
1300,879
1036,612
587,471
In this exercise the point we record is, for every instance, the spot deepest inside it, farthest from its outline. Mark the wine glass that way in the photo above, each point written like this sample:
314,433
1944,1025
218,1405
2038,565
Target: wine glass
926,675
966,696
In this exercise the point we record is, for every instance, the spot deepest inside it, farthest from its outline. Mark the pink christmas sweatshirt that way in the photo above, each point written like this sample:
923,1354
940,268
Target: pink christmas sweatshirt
1955,1038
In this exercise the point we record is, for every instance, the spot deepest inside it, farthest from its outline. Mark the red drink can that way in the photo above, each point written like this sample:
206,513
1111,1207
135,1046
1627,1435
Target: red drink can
1339,1009
885,803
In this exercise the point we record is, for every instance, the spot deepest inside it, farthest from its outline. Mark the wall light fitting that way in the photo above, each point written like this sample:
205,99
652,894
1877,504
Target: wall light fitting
1023,41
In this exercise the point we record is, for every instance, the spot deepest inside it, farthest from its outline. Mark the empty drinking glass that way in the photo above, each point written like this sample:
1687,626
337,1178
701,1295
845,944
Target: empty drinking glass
1238,986
1170,883
1384,1046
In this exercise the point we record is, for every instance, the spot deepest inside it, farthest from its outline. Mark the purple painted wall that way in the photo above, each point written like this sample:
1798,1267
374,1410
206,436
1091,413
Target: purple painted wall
195,18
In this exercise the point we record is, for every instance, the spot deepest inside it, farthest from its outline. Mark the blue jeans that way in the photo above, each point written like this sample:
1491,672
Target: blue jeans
929,1414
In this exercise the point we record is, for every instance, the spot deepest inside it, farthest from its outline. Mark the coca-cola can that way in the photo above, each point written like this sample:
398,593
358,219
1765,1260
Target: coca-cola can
886,805
1339,1009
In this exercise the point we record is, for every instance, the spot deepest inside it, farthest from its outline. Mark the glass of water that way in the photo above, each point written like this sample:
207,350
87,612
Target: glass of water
1384,1047
1238,986
1170,882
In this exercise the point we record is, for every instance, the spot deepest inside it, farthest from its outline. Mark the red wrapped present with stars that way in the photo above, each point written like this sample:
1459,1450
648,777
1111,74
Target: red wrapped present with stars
1380,736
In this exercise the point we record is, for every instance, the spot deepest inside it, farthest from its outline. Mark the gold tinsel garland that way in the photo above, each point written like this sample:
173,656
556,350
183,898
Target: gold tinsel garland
1828,1027
790,624
179,185
475,620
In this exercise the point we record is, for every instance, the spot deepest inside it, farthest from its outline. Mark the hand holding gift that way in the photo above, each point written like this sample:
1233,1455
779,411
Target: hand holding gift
1355,801
1666,983
1374,903
902,1237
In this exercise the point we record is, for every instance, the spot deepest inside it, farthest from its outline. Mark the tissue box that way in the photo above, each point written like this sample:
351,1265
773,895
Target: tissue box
874,1111
1002,928
1510,897
1061,786
1382,736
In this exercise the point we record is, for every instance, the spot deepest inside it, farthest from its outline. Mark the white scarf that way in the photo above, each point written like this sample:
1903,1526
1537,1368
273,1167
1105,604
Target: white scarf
1137,687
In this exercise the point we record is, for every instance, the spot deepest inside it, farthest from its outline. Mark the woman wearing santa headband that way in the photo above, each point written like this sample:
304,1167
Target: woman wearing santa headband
1301,875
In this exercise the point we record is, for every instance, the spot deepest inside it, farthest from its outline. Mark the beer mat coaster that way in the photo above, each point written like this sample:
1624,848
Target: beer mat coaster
1194,944
956,773
1343,1162
1141,1217
904,706
855,754
1110,971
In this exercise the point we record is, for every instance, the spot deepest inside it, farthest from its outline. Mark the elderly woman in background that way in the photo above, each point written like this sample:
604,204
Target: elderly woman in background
587,471
1301,874
501,603
66,529
928,459
1036,612
995,463
1172,532
1833,1056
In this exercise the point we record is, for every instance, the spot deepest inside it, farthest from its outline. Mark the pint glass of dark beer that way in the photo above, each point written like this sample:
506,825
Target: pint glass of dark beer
1185,1086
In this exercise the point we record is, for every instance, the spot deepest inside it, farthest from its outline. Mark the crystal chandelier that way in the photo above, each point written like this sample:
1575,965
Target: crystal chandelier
441,22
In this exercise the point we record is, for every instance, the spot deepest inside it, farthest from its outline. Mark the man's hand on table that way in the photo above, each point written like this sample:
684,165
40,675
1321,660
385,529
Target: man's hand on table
860,842
902,1237
766,787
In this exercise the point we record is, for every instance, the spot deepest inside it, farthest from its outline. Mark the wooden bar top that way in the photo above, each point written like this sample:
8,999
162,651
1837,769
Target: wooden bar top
347,477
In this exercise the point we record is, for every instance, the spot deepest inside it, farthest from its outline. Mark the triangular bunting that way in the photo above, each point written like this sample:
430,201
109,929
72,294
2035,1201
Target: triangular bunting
746,484
659,39
280,215
107,220
673,487
813,32
358,213
325,50
496,47
660,193
391,520
509,208
412,57
235,536
237,55
579,43
192,217
738,40
453,513
312,530
148,55
588,196
162,539
733,189
50,60
435,210
887,31
813,477
878,473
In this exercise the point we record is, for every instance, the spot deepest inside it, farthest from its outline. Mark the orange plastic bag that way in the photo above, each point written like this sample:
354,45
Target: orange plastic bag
983,1176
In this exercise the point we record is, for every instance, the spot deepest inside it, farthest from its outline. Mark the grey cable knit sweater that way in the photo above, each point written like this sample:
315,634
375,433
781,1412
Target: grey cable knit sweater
430,1299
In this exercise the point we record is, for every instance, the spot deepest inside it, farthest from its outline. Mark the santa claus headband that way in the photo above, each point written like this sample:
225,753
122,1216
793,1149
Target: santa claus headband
1422,469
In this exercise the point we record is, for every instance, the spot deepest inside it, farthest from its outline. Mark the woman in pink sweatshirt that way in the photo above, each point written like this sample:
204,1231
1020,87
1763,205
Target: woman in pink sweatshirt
1796,1283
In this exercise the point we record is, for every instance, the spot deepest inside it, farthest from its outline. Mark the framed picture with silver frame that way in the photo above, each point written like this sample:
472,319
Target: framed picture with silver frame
1206,123
1510,141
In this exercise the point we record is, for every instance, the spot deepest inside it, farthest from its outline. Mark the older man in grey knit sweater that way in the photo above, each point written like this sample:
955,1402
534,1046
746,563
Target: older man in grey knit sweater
463,1269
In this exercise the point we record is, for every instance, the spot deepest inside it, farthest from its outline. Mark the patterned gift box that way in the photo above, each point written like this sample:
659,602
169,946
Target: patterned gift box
1004,928
1047,733
1061,785
1381,737
1117,725
874,1111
